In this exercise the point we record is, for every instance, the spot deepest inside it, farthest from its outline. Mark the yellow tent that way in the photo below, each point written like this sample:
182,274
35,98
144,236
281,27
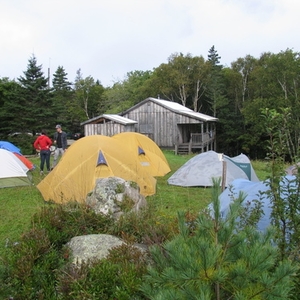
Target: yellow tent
86,160
146,151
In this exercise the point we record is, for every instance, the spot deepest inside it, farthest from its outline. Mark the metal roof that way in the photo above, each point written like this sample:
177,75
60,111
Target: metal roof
178,108
173,106
112,117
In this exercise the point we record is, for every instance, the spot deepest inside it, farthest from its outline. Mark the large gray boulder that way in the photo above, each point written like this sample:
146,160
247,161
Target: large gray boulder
114,195
92,246
87,248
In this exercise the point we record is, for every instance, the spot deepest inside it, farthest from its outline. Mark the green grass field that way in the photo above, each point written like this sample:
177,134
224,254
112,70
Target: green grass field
19,204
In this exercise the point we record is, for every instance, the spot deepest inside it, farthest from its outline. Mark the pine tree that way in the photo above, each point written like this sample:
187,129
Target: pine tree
215,85
214,58
62,94
36,112
216,258
10,106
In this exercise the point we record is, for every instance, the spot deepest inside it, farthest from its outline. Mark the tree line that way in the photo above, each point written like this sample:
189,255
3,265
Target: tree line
240,96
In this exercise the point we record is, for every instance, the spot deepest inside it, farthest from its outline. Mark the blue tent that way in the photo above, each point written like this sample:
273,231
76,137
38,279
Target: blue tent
255,191
10,147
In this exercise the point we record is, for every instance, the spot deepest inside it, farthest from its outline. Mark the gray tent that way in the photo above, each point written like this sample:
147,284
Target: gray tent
199,170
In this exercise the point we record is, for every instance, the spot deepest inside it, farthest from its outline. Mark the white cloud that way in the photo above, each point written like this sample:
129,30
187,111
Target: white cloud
107,39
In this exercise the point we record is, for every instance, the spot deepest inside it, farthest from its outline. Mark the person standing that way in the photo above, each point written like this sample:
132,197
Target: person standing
61,143
43,144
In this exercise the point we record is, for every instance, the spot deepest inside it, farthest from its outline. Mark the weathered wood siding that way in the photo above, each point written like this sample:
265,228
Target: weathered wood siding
159,123
108,129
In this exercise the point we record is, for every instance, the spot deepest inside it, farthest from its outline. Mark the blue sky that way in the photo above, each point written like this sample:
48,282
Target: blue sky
108,38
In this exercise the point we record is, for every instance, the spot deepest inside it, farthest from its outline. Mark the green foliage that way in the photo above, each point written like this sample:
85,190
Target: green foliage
117,277
120,188
10,108
33,261
88,96
144,226
24,142
218,260
38,263
31,265
62,222
215,251
126,204
183,79
36,112
214,89
233,94
62,96
284,194
100,280
169,199
97,281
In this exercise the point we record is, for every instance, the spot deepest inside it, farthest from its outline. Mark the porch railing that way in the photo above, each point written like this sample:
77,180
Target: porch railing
197,143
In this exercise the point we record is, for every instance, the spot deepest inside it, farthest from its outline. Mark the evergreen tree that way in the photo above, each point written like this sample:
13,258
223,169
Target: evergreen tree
60,80
62,95
214,58
10,106
215,85
36,112
217,258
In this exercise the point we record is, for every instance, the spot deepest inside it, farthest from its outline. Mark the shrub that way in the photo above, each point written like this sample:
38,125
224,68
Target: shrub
32,262
117,277
218,260
31,265
145,226
62,222
38,265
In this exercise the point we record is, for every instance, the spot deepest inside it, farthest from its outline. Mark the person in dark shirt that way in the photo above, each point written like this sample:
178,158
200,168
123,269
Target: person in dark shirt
61,143
43,144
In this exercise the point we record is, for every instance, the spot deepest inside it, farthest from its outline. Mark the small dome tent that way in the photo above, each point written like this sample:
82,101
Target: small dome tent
199,170
257,192
17,152
13,171
146,152
88,159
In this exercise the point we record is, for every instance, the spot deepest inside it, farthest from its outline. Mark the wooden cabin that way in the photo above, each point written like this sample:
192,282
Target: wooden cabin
169,124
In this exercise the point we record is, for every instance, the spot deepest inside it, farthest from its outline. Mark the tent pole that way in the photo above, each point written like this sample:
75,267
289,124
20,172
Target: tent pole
223,174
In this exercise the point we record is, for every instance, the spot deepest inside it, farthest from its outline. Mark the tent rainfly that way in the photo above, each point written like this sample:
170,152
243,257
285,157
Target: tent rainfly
199,170
13,171
17,152
146,152
253,192
88,159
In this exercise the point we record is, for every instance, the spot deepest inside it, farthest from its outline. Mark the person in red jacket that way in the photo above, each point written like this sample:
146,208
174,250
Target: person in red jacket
43,144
